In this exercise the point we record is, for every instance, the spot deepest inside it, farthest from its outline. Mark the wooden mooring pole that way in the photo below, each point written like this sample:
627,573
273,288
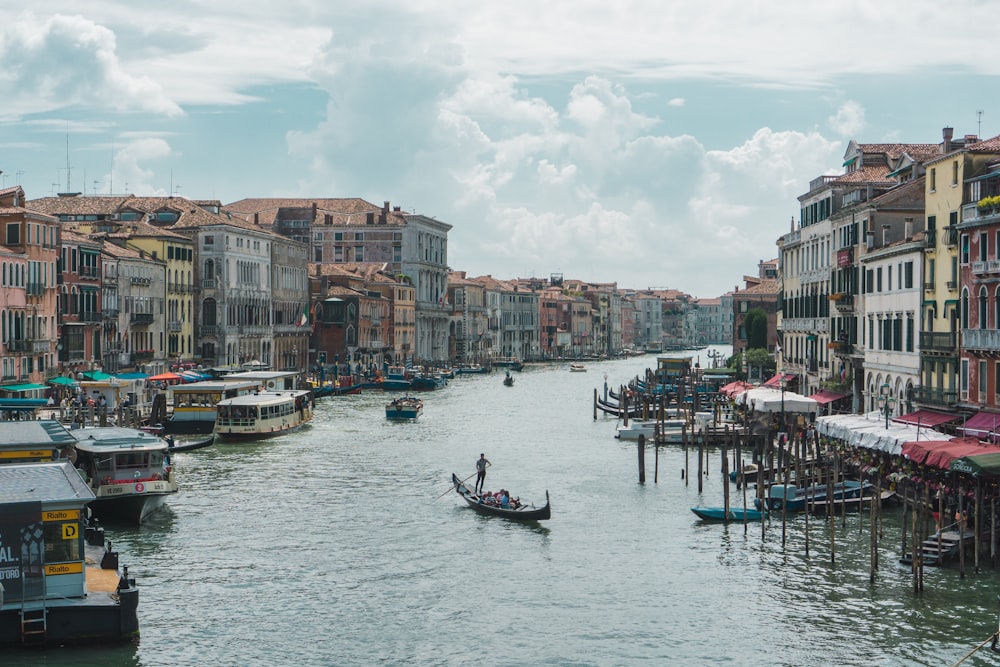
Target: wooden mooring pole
642,458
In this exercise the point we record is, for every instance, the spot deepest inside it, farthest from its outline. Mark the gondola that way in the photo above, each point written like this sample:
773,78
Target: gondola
188,446
522,513
508,381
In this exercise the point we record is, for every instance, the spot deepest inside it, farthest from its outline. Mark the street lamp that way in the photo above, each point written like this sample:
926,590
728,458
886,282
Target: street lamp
886,402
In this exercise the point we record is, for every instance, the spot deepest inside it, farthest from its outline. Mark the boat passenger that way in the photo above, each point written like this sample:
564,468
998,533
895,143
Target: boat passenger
504,499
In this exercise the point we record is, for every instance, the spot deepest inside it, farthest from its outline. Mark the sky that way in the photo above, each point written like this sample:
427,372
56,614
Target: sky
652,144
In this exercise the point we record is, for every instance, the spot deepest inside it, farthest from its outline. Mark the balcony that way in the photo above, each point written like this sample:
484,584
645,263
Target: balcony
110,313
142,356
141,318
934,396
208,283
840,349
88,272
89,316
18,345
211,330
843,301
930,238
950,235
981,339
987,266
34,289
139,280
938,342
41,346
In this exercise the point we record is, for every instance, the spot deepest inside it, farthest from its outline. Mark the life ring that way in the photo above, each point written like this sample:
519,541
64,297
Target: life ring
139,487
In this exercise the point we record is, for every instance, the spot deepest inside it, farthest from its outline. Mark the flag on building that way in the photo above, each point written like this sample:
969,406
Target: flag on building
305,316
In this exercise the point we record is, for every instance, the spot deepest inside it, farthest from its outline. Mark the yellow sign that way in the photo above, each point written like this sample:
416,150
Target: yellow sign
64,568
42,454
60,515
70,531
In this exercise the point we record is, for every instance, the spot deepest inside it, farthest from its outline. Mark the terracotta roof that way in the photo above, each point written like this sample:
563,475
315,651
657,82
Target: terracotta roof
766,286
894,151
875,174
985,146
346,211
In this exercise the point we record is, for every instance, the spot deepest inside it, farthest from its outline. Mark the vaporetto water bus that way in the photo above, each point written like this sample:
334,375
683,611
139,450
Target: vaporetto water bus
263,415
194,404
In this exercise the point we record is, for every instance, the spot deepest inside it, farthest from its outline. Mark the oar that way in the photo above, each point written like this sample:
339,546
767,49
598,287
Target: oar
453,486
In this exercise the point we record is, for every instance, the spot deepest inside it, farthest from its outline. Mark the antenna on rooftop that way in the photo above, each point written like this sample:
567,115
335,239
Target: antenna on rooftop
68,174
979,123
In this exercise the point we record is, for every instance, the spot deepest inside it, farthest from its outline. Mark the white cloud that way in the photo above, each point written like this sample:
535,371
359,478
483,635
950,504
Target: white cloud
67,61
849,119
130,175
676,102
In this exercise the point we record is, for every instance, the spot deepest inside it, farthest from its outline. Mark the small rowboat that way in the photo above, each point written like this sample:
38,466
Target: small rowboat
522,513
406,407
734,514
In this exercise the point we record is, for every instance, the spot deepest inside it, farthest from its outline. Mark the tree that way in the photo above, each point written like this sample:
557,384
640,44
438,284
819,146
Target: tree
755,324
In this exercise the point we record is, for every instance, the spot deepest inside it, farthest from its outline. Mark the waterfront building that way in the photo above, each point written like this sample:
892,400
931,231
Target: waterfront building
133,284
940,322
758,293
649,320
290,300
234,277
468,330
79,319
890,307
978,231
31,242
353,230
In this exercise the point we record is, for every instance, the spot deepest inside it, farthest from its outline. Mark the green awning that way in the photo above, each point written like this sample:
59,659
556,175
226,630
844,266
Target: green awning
96,376
23,387
978,464
60,380
850,160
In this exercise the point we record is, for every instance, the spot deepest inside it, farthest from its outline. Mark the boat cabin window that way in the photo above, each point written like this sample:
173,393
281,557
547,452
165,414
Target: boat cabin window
131,460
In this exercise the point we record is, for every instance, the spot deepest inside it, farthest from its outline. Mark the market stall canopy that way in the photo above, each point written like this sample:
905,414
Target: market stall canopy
978,464
776,380
96,376
62,381
982,425
21,388
164,377
824,396
132,376
926,418
940,453
869,432
765,399
734,388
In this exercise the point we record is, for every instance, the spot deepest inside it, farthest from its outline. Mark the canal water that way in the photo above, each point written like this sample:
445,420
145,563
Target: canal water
342,545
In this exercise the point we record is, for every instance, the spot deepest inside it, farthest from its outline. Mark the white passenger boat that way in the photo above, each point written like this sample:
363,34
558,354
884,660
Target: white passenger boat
669,430
194,404
263,415
128,470
577,368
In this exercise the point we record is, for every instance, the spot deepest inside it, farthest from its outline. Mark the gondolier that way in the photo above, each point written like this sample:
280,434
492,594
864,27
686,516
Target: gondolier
481,472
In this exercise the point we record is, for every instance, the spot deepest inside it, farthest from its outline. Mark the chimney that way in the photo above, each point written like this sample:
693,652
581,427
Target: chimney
314,212
385,206
947,133
256,219
370,218
885,234
908,229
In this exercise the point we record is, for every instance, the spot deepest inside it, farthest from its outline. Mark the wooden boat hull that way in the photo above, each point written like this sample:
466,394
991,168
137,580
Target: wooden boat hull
734,514
191,445
523,514
508,382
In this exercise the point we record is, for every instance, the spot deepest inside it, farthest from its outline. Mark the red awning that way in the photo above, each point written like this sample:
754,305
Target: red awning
775,382
919,450
734,388
824,396
925,418
982,425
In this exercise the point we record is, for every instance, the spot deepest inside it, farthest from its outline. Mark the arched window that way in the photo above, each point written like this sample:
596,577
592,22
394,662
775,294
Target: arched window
964,314
982,307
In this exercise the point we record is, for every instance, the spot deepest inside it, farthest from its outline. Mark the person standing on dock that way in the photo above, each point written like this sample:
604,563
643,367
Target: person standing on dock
481,472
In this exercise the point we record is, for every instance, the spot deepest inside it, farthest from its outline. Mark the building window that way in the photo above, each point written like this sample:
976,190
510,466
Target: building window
965,249
908,275
963,378
954,173
932,179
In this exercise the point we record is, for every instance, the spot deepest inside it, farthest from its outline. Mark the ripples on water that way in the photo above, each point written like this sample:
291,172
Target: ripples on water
335,546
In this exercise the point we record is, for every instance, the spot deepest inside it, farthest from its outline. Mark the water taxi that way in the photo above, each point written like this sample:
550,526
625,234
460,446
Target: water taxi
194,404
405,407
128,470
263,415
577,368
